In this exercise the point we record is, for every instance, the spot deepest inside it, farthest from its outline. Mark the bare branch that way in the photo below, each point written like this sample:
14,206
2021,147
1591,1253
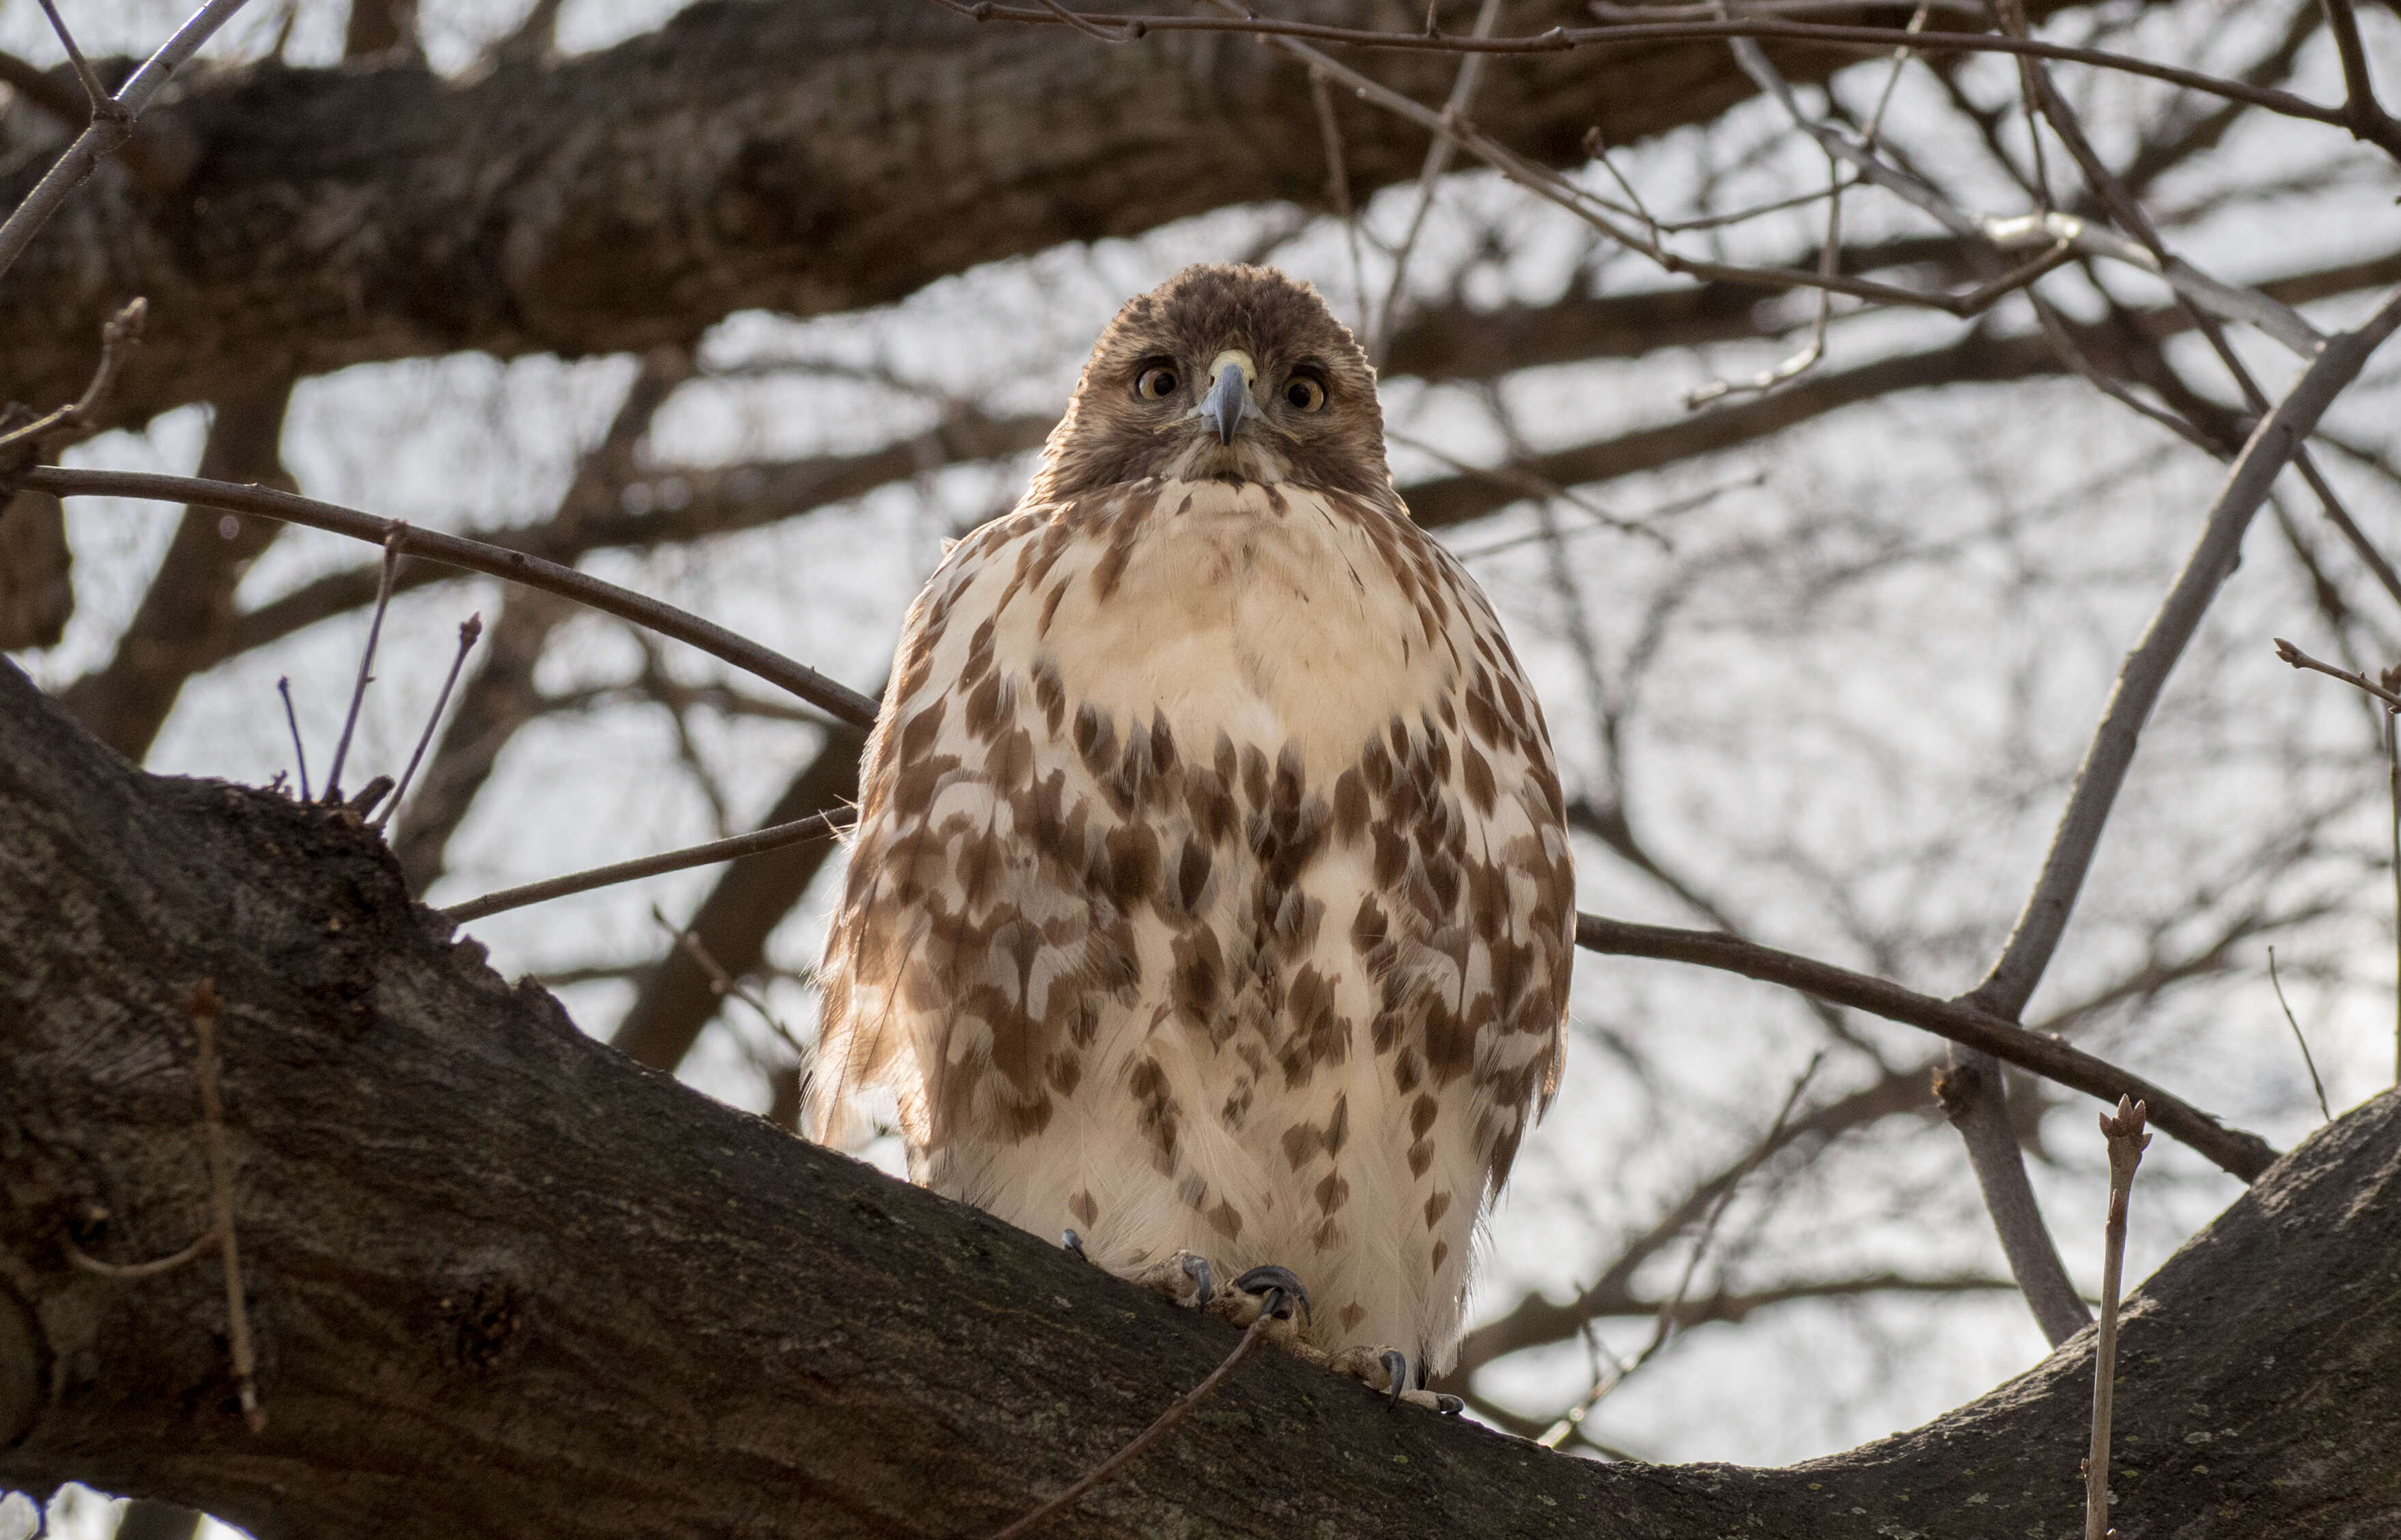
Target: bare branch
1564,39
475,555
2127,1142
2300,659
108,130
1962,1021
817,826
2290,1020
2278,438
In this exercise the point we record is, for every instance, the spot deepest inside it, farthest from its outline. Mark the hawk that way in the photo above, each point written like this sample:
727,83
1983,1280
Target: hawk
1211,902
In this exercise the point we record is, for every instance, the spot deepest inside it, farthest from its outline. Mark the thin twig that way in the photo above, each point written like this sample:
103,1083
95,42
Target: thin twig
816,826
2300,659
391,542
475,555
203,1005
101,106
2316,1084
1149,1436
1609,220
292,719
117,338
88,1263
1437,162
1671,1308
2232,1150
723,983
1566,39
2127,1142
1829,253
468,631
108,131
1338,188
1609,523
1109,31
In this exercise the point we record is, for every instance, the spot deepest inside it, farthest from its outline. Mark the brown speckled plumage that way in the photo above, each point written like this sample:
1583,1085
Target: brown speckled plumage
1211,891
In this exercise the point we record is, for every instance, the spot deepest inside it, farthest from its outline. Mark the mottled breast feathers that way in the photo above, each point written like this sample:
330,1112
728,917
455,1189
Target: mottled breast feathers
1210,888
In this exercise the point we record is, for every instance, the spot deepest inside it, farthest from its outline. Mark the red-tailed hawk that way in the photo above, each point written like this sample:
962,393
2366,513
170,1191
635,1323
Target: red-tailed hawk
1211,897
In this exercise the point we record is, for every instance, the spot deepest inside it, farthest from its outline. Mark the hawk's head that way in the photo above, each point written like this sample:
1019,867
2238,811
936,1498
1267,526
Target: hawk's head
1238,374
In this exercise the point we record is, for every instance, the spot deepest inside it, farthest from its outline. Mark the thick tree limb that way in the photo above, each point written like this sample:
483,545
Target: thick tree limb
802,158
508,1284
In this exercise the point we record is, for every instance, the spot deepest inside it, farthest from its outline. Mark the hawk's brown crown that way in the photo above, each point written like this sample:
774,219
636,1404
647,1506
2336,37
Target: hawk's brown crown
1112,433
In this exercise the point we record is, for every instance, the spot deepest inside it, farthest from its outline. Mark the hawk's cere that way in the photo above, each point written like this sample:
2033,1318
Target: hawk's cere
1211,897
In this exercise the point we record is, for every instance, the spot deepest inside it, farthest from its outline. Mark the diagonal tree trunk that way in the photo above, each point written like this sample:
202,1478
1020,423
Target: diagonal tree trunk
507,1283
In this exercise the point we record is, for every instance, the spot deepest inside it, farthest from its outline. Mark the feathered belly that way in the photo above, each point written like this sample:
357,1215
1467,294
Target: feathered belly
1187,910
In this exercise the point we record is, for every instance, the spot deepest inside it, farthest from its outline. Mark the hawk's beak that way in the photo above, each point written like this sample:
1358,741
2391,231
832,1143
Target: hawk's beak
1227,398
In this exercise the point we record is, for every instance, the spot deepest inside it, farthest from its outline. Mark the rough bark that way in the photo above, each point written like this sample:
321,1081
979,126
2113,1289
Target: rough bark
804,159
507,1282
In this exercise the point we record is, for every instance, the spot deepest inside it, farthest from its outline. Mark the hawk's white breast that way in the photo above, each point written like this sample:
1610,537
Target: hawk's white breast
1211,893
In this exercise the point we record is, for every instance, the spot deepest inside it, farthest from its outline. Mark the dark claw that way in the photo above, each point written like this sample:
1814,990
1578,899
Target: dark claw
1072,1241
1396,1370
1197,1269
1449,1405
1281,1287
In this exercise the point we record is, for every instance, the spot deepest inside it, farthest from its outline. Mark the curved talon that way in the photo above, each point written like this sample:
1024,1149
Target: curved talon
1072,1241
1449,1405
1197,1269
1397,1376
1281,1286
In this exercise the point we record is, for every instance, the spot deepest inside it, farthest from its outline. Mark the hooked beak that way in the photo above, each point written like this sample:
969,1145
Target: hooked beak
1227,398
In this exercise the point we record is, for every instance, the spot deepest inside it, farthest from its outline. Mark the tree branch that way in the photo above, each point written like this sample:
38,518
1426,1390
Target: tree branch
475,555
507,1283
2278,438
2232,1150
799,158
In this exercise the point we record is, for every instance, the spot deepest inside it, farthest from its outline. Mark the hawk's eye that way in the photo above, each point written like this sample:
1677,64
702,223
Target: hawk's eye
1156,383
1304,392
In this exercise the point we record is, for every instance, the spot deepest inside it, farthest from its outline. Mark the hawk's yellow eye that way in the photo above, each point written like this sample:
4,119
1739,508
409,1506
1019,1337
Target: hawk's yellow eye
1304,392
1156,383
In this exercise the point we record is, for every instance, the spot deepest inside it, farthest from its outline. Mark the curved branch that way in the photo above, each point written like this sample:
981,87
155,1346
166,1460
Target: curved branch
836,699
2232,1150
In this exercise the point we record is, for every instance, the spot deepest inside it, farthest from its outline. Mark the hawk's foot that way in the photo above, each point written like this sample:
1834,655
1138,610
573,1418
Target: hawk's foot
1386,1369
1185,1278
1277,1293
